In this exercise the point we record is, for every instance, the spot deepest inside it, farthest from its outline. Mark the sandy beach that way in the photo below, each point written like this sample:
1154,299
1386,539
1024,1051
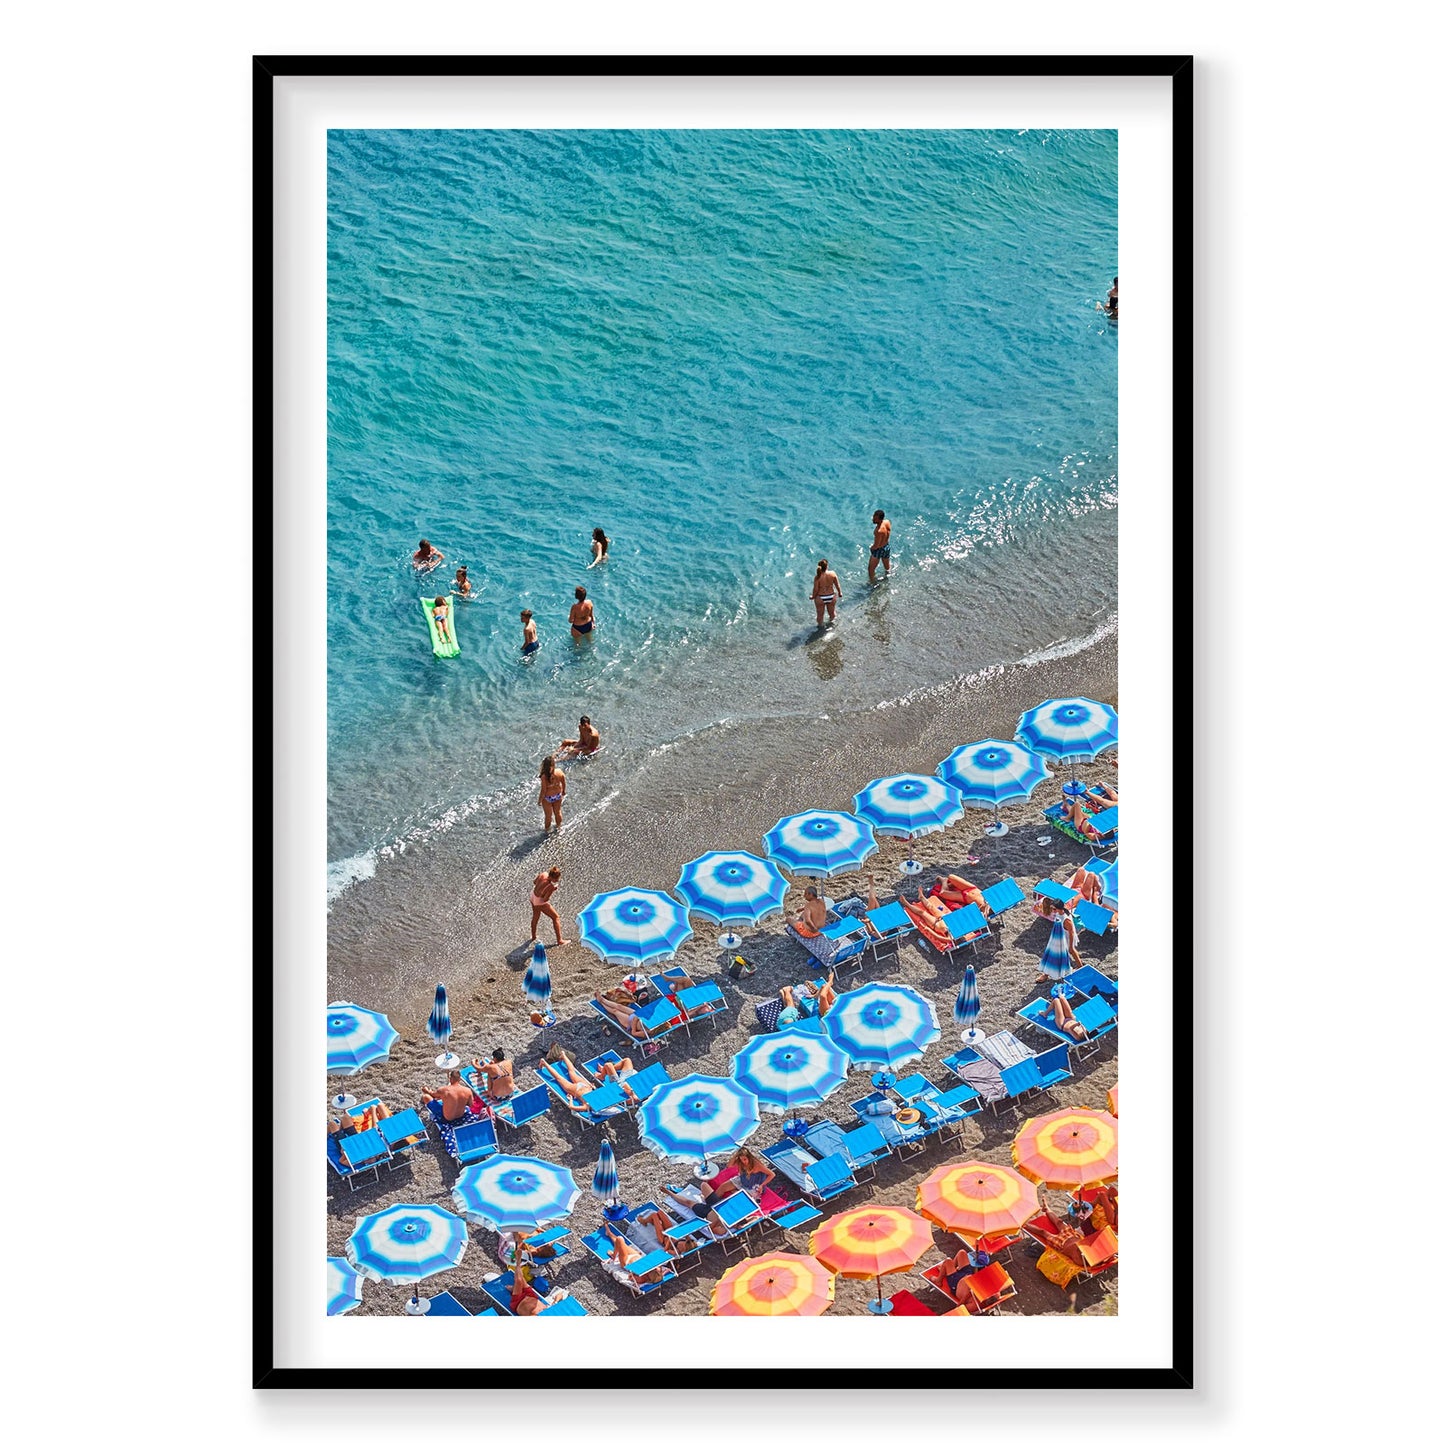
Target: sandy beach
387,952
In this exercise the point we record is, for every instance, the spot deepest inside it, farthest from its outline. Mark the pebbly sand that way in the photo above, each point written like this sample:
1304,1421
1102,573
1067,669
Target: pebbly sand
385,954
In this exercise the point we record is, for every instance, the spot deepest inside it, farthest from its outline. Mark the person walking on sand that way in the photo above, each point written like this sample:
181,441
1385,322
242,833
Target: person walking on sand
880,551
426,557
553,783
544,885
529,633
581,614
825,592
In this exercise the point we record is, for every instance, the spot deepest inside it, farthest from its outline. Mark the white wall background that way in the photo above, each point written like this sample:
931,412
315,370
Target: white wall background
126,920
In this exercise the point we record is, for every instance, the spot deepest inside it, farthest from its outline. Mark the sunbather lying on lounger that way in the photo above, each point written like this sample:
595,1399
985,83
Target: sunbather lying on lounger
563,1069
1087,885
369,1118
1078,817
959,893
1101,796
659,1223
621,1006
964,1263
803,1000
1065,1237
1064,1018
624,1252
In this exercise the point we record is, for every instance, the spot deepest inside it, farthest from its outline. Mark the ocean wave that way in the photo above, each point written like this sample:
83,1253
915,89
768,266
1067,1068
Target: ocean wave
341,874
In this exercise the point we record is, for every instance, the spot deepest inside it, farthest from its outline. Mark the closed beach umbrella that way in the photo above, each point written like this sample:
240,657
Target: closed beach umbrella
696,1117
973,1199
794,1068
908,805
777,1283
439,1026
1069,1149
407,1242
355,1037
882,1024
633,925
514,1192
537,980
604,1176
1056,962
732,888
1071,729
870,1242
343,1286
993,772
818,844
967,1005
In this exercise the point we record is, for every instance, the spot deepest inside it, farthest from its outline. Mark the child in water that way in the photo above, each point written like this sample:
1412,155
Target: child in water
439,616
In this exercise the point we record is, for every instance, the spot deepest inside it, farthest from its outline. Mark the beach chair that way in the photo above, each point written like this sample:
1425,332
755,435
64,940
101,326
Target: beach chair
1053,1066
1091,980
767,1014
819,1180
498,1289
1055,892
905,1302
567,1305
549,1239
894,927
471,1143
740,1213
1054,817
825,1138
1099,1248
702,1000
1001,897
523,1107
659,1018
446,1306
909,1138
1094,1013
594,1107
1093,918
1021,1080
988,1288
1106,825
934,1276
691,1236
800,1215
598,1245
352,1155
641,1083
840,941
403,1133
966,927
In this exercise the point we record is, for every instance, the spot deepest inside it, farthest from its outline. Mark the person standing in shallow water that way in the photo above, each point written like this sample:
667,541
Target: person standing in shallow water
600,543
880,551
825,592
529,633
581,614
553,789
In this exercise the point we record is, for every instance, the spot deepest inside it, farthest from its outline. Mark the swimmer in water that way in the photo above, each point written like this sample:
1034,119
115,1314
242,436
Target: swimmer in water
461,587
588,739
600,543
439,612
581,614
426,557
1110,305
825,592
529,633
880,551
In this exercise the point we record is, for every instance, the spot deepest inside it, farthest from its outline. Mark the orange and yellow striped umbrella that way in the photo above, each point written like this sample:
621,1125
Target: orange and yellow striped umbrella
774,1284
1069,1149
1114,1101
871,1242
974,1199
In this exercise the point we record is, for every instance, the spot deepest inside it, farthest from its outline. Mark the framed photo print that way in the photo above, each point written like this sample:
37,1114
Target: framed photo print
724,584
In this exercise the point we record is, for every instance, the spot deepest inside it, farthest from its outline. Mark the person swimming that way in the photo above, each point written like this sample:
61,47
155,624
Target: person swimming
600,543
581,614
529,633
1110,305
881,550
426,557
462,587
439,616
825,591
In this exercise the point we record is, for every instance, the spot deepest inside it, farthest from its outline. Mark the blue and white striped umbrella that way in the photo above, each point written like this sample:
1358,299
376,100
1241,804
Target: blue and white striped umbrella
511,1191
1072,729
633,925
882,1024
732,887
407,1242
819,844
993,772
794,1068
968,1005
537,981
908,805
439,1022
604,1176
1108,875
356,1037
698,1116
343,1286
1056,962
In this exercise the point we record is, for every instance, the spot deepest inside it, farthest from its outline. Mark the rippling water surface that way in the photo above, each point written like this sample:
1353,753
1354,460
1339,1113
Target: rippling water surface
726,348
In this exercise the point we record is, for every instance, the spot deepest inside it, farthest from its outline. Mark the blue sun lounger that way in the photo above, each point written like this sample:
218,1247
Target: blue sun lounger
966,925
816,1179
523,1107
910,1137
740,1213
600,1247
862,1146
568,1306
1097,1017
499,1290
1002,896
1091,980
597,1105
1092,917
352,1155
703,1000
690,1236
800,1215
472,1143
660,1018
893,925
444,1306
1106,825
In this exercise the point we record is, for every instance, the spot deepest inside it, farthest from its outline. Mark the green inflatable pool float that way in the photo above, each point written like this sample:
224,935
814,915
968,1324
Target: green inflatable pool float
441,646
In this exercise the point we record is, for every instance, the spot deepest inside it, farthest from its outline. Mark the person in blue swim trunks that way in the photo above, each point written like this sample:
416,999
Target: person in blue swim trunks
581,614
439,613
529,633
880,551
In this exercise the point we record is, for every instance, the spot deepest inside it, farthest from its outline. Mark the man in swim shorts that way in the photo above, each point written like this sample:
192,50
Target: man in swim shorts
581,614
454,1097
811,917
588,739
825,591
880,551
529,633
426,557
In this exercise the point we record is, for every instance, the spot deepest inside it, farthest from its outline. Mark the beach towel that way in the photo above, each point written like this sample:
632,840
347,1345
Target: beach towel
1057,1269
1003,1048
1056,963
985,1077
768,1012
825,950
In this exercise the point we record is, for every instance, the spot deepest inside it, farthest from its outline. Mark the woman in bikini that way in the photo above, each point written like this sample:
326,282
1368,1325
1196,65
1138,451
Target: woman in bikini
825,591
565,1073
1086,885
544,885
553,789
752,1178
600,543
624,1252
619,1004
581,615
1064,1019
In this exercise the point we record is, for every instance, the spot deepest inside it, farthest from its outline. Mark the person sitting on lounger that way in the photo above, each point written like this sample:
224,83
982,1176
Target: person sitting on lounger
961,1265
811,917
369,1118
1064,1019
454,1097
525,1300
959,893
624,1252
1066,1237
620,1005
803,1000
498,1074
1087,885
752,1178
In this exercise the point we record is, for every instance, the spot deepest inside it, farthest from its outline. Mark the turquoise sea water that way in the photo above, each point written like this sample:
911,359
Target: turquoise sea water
725,348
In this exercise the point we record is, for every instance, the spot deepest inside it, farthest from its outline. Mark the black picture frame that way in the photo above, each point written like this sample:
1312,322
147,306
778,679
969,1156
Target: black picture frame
1178,70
